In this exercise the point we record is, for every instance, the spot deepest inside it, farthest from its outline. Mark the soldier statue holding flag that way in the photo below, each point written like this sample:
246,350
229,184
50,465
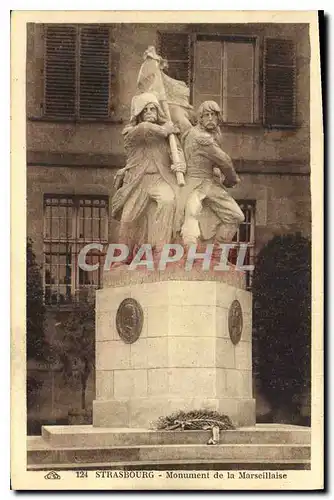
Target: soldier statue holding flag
148,197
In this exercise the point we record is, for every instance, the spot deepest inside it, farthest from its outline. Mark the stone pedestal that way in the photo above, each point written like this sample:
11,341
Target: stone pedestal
184,358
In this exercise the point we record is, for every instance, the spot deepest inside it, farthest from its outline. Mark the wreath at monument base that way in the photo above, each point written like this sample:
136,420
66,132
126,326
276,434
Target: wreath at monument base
196,420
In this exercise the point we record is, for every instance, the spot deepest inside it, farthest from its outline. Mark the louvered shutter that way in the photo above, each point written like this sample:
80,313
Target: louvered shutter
279,82
60,71
175,47
94,74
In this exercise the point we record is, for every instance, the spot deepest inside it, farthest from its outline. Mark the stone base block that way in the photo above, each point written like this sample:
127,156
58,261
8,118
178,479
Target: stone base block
144,412
194,351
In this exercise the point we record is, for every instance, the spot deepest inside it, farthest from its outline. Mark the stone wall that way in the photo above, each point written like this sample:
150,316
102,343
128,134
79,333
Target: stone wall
253,142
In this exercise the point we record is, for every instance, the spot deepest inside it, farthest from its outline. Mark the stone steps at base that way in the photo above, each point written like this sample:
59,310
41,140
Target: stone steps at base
163,465
87,435
146,453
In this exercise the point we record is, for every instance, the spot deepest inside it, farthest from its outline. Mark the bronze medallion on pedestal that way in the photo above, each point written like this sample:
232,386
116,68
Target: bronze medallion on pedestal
235,322
129,320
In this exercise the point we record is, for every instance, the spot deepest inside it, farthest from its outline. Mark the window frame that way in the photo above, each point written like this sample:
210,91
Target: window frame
76,244
254,39
251,243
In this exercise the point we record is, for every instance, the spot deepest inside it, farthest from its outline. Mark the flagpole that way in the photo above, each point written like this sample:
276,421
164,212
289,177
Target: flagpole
173,145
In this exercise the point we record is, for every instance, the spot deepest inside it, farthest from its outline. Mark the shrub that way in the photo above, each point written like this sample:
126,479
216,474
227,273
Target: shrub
282,319
76,350
36,344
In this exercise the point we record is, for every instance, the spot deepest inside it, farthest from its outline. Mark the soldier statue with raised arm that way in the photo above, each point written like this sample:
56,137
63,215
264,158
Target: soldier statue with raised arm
210,211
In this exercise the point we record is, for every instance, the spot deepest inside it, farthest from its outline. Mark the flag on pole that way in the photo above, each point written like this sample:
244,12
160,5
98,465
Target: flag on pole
173,102
174,93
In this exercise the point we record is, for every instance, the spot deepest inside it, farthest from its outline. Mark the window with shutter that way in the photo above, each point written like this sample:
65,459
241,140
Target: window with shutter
279,89
78,72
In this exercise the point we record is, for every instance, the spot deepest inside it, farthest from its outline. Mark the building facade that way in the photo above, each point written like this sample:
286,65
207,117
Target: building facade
80,82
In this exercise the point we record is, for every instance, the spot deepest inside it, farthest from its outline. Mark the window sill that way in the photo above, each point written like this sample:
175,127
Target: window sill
113,120
239,125
282,127
259,126
61,307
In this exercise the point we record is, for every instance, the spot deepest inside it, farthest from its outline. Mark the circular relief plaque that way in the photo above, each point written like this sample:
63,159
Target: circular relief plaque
235,321
129,320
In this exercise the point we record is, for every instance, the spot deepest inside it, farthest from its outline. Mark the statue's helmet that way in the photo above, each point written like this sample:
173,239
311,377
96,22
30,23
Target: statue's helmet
139,102
209,106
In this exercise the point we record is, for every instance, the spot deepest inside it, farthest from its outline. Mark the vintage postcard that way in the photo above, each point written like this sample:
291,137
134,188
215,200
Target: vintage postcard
167,251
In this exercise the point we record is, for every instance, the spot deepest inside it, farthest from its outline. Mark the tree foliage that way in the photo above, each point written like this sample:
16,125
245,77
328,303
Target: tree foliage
76,350
282,318
35,307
